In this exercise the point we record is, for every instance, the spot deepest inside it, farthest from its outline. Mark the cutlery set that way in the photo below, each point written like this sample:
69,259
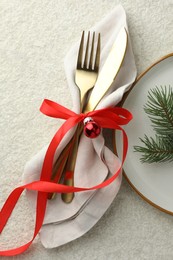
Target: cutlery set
93,86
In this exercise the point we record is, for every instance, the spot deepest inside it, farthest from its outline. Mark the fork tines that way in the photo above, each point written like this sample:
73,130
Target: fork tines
88,62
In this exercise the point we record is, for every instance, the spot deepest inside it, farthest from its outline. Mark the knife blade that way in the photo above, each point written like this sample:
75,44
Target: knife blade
109,71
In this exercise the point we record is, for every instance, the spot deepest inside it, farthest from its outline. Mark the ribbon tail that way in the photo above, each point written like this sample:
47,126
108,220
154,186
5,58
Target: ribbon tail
9,206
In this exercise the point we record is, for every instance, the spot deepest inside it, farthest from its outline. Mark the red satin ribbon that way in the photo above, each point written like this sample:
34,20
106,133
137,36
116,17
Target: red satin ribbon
111,118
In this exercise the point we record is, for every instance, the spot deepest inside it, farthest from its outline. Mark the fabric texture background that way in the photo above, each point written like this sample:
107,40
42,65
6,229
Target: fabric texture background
35,37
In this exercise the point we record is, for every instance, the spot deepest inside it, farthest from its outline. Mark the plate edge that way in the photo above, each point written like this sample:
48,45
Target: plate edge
114,139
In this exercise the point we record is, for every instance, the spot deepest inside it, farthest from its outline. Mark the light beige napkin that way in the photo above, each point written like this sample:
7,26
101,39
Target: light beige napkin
95,161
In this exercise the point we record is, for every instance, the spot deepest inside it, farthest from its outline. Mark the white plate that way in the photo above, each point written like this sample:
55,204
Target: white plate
154,182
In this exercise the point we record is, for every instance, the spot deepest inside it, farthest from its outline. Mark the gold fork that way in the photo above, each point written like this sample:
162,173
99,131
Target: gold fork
85,78
87,72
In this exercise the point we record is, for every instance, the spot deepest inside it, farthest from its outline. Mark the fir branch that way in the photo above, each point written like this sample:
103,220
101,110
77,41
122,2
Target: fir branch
160,110
156,150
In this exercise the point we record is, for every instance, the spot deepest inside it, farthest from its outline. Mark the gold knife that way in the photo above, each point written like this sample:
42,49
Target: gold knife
109,71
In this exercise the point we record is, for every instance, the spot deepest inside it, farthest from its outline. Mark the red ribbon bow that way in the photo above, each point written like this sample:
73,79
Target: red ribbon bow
111,118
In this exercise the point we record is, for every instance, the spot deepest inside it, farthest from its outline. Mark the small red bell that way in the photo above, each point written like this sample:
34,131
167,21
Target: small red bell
91,128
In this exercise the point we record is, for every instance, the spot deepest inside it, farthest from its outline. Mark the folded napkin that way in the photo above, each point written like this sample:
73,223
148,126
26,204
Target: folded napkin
95,162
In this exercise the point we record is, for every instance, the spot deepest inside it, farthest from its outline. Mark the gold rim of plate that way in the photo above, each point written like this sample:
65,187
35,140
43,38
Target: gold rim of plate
114,142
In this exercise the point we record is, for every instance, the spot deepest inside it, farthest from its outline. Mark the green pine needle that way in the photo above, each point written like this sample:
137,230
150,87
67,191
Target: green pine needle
156,150
159,108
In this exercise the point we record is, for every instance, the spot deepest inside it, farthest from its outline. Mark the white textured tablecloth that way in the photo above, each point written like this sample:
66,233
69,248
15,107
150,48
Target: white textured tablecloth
35,36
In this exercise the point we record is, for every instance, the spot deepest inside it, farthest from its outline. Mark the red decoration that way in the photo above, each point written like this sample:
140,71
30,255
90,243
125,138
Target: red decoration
92,129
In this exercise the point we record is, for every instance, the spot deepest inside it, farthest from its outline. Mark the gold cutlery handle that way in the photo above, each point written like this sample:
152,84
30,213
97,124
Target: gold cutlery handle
69,181
70,166
60,163
65,157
